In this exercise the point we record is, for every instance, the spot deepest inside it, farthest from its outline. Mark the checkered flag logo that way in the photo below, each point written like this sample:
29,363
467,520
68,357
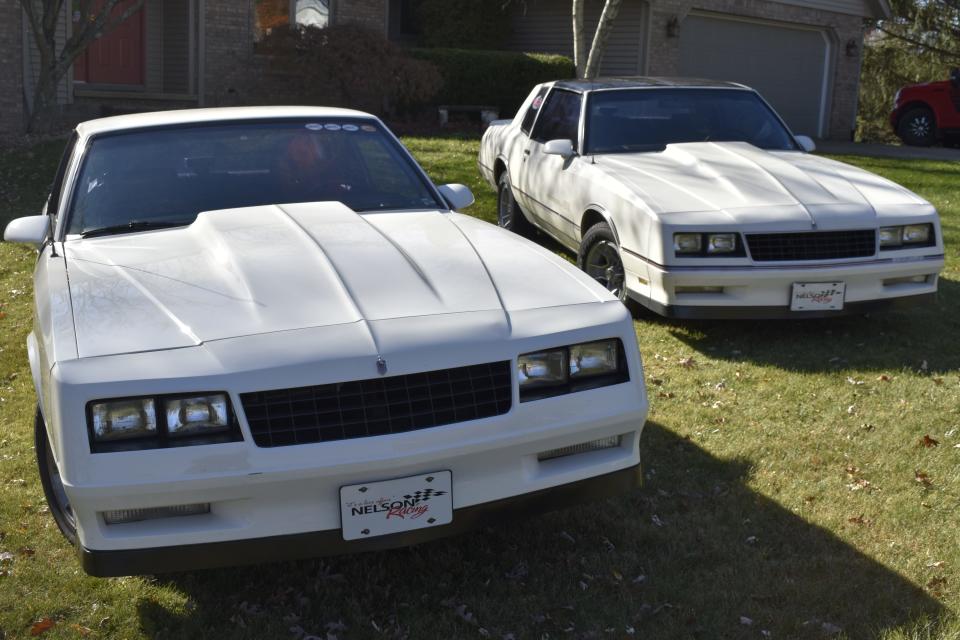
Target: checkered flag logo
424,494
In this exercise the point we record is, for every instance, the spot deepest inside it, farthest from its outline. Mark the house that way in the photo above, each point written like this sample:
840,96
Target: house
803,55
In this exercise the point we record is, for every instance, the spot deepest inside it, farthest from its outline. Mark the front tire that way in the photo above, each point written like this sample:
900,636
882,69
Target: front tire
52,483
918,127
509,215
600,258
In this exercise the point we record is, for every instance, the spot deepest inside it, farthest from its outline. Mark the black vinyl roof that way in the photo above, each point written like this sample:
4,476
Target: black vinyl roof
645,82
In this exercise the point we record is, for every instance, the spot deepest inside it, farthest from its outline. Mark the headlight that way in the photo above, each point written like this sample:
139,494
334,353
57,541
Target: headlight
727,244
721,242
578,367
123,419
156,422
917,235
687,242
197,414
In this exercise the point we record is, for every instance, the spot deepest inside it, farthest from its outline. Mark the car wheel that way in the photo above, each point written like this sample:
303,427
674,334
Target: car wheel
600,258
52,484
918,127
509,215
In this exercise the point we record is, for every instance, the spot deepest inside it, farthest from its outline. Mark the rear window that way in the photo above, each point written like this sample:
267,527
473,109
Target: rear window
170,175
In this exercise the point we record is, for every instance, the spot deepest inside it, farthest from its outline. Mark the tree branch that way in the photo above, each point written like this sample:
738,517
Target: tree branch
950,55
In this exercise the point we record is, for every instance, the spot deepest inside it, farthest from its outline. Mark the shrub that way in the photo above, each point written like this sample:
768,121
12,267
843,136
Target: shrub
342,65
496,78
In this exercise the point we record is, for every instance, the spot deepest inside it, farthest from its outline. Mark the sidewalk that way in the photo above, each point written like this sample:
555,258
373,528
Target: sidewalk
887,150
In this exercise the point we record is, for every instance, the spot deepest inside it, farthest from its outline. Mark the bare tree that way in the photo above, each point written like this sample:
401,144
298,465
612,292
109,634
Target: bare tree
44,16
589,66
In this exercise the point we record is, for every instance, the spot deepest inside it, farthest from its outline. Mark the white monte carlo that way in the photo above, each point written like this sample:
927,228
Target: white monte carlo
694,199
263,333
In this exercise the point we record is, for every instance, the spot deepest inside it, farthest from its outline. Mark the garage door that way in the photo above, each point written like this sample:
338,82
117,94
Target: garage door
787,65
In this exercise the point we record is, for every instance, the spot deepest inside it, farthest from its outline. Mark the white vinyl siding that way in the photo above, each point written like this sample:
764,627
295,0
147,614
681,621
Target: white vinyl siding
546,26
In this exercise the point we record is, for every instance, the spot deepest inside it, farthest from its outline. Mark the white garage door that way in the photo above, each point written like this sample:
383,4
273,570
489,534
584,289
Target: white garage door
788,66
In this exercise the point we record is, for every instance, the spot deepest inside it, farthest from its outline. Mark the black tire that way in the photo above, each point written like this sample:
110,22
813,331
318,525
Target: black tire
52,485
509,215
918,127
600,258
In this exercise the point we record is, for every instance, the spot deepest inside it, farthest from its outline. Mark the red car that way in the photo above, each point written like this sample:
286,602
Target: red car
925,113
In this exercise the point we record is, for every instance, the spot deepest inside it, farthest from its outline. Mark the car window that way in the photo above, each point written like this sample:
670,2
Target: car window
532,110
560,119
650,119
56,188
169,175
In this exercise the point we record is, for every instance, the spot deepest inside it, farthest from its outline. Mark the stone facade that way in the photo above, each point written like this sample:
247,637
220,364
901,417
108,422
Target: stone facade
664,51
11,61
227,45
369,13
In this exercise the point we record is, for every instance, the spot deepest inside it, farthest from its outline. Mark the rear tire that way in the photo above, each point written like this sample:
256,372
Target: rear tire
52,484
509,215
918,127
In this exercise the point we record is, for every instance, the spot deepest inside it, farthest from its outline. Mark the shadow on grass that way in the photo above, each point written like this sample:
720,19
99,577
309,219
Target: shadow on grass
686,556
877,342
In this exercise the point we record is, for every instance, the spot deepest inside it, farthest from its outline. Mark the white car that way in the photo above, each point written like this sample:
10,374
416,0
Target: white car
694,199
263,333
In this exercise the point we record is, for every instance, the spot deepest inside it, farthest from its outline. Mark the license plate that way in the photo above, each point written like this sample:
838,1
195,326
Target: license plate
817,296
393,506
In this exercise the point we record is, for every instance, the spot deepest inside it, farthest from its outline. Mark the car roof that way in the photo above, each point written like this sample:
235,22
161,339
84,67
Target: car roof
645,82
199,116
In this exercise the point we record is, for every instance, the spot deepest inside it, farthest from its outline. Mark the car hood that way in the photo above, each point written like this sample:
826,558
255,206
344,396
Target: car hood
751,185
280,268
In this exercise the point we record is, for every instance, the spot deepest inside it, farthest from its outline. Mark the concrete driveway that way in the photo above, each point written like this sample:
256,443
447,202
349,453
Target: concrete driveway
887,151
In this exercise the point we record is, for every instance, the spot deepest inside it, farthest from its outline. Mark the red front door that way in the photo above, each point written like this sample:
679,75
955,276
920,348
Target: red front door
117,57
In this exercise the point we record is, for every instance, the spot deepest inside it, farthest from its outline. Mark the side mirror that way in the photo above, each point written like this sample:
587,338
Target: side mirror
458,196
563,148
31,230
955,78
806,143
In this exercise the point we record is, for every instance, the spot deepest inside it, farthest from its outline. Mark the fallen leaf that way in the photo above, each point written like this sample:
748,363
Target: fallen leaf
665,394
852,409
852,470
745,621
938,381
689,363
854,381
830,629
83,631
883,378
26,551
928,442
42,626
936,565
923,478
937,584
861,484
656,381
859,520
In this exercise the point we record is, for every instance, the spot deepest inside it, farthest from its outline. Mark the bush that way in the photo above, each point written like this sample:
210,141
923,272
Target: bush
465,24
342,65
495,78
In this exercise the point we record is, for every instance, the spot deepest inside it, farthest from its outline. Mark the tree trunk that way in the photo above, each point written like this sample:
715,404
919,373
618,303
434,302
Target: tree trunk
610,10
579,44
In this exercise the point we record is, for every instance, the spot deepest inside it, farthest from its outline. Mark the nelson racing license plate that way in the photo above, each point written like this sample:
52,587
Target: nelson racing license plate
817,296
393,506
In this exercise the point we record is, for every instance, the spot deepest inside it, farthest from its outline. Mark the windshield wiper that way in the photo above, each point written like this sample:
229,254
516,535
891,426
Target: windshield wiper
135,225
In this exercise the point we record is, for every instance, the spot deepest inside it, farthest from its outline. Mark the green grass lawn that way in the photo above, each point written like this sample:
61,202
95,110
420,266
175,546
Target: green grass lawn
789,493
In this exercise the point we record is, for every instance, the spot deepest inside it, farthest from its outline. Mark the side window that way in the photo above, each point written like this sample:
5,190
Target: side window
560,119
56,189
531,113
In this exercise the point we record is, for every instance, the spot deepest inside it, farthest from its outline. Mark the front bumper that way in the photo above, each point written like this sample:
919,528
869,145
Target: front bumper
763,292
330,542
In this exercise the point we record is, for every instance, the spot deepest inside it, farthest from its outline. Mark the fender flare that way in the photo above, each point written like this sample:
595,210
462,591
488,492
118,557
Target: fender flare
603,213
33,357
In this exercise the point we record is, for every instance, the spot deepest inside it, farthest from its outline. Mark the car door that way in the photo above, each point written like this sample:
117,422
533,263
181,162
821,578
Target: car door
549,181
517,152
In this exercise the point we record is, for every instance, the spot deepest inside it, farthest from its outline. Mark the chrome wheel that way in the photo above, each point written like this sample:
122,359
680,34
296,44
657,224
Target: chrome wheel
505,207
920,126
603,264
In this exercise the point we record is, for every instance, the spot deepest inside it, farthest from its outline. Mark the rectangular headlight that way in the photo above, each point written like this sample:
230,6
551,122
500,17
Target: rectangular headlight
594,358
196,415
917,233
544,368
114,420
721,242
687,242
891,236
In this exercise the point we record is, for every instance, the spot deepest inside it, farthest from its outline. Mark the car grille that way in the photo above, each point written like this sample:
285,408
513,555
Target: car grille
816,245
378,406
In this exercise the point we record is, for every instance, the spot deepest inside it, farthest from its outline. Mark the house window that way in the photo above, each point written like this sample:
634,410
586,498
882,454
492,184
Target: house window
272,14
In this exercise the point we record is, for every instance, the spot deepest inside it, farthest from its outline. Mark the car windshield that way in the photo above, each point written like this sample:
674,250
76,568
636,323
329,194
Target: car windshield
163,177
649,119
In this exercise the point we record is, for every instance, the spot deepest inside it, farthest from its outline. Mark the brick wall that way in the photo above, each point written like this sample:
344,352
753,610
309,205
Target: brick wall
228,51
664,51
370,13
11,78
